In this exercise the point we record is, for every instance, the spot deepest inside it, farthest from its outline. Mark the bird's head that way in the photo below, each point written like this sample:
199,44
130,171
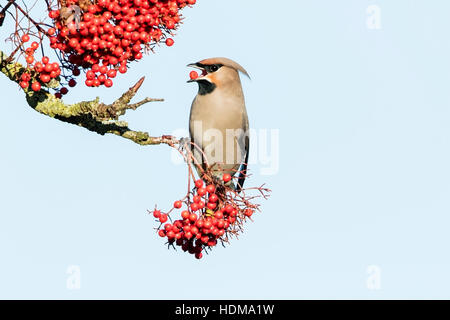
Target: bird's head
217,73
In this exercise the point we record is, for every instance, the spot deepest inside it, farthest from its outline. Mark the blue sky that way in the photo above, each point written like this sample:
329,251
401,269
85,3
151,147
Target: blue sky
363,179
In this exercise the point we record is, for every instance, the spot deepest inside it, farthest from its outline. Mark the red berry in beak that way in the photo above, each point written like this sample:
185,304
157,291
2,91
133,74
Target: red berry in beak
193,75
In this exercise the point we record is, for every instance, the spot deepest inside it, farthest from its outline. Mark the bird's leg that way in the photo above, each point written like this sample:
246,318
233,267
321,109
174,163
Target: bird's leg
184,147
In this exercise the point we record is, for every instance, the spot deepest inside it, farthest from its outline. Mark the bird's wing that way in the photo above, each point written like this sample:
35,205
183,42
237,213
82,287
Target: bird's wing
243,169
199,157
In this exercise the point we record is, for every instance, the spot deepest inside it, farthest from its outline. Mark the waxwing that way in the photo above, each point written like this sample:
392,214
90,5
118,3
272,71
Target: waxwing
218,123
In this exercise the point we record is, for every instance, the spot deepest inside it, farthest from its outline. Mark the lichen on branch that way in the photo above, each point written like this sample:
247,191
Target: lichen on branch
92,115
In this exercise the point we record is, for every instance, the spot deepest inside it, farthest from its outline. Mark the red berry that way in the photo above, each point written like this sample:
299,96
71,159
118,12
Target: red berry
29,59
211,205
162,233
229,208
201,192
213,198
248,212
48,67
221,224
170,234
108,83
45,78
163,218
226,177
199,184
24,84
178,224
25,38
185,214
157,214
178,204
193,75
25,77
169,42
34,45
90,75
210,188
212,243
207,224
193,217
199,223
38,66
102,78
53,14
194,230
111,73
103,69
36,86
122,69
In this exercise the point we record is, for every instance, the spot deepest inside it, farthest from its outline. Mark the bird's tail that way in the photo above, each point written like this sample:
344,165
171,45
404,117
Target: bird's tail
242,174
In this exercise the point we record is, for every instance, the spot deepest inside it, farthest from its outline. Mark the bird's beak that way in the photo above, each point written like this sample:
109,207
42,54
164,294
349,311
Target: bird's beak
200,67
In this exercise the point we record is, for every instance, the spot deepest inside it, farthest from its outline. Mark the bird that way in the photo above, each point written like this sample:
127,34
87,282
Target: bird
218,122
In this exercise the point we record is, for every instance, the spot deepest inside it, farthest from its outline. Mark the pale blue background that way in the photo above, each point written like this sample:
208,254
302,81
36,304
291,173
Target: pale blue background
364,173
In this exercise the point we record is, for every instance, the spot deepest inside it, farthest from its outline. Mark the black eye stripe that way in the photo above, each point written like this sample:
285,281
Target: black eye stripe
213,67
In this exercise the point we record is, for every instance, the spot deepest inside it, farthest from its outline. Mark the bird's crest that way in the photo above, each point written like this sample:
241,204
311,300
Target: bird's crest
226,62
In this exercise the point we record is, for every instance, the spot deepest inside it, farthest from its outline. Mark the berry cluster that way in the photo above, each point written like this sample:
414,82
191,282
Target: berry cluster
39,71
106,36
210,217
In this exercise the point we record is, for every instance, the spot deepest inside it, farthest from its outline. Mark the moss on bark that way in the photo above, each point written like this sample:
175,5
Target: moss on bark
92,115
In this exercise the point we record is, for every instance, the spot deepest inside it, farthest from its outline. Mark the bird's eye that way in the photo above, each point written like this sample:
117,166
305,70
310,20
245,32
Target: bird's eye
213,68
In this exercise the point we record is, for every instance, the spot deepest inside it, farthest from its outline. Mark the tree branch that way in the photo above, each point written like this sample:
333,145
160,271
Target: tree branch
92,115
3,12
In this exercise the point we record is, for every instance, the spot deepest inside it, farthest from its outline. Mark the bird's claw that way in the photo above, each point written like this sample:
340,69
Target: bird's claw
184,144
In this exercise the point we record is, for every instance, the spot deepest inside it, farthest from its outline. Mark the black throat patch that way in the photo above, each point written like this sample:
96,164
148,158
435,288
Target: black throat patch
205,87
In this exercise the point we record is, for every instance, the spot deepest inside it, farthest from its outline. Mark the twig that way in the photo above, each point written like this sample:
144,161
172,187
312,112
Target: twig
25,13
